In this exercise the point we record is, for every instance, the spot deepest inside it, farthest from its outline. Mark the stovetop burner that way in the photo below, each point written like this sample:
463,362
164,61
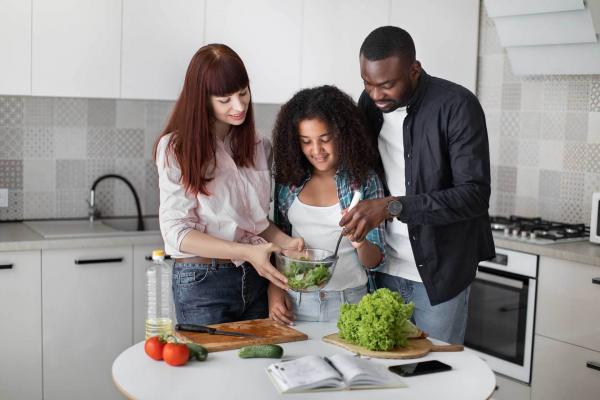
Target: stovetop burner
537,230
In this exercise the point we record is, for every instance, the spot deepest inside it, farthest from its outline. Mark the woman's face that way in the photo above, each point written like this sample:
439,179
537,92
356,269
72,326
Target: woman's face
231,109
318,145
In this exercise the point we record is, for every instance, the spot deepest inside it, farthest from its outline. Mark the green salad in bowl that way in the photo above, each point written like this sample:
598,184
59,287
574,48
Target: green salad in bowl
308,270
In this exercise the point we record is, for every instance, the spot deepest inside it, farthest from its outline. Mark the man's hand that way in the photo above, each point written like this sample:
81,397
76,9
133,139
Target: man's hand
280,305
367,214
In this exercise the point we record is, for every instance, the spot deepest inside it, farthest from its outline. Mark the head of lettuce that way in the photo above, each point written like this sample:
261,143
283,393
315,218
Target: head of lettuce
380,321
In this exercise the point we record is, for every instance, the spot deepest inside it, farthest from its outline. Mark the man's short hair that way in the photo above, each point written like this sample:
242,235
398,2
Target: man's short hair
387,41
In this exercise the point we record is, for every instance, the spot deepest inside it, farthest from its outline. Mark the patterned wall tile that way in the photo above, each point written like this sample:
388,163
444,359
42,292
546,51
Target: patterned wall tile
555,96
574,158
571,211
578,96
101,112
151,192
549,184
509,151
129,143
572,185
157,114
71,203
511,96
592,158
594,96
134,171
527,182
549,208
38,142
39,205
528,153
505,203
490,96
11,143
531,95
38,111
508,74
507,179
95,169
510,124
526,206
11,174
130,114
39,175
551,154
489,43
494,144
576,127
101,143
124,205
11,111
591,185
530,125
553,125
105,200
490,68
70,174
70,112
593,127
70,142
14,211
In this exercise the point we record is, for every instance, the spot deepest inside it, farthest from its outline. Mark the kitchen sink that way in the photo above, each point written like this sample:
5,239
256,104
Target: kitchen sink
117,226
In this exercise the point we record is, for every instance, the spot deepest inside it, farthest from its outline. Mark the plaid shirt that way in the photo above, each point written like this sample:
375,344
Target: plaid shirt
373,189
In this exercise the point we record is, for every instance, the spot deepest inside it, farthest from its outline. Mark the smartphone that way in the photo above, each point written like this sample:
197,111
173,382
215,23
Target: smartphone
420,368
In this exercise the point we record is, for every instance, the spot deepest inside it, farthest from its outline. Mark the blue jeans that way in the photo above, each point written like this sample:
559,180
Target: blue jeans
215,293
445,321
323,305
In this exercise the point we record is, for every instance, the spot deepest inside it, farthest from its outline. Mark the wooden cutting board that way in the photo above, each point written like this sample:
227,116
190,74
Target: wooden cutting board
270,331
416,348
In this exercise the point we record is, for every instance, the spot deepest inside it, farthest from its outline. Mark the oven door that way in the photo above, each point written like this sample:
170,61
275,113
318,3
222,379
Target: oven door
500,321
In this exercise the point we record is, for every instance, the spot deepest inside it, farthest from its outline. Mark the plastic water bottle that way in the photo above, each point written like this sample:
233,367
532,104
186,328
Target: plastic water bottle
159,296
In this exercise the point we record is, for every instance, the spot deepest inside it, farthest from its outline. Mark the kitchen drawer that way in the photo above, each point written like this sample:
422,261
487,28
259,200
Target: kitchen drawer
568,302
560,371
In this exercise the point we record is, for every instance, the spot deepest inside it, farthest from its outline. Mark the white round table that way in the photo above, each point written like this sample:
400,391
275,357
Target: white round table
226,376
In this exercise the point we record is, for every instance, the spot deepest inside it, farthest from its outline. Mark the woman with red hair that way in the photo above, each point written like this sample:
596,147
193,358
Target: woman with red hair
215,186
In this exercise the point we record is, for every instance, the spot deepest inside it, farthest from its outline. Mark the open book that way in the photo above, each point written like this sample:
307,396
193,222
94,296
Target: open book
337,372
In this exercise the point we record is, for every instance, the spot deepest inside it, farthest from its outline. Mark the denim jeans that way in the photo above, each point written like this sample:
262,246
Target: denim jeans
323,305
215,293
445,321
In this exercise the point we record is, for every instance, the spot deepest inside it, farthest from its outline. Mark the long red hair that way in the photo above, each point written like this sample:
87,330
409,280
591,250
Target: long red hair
215,70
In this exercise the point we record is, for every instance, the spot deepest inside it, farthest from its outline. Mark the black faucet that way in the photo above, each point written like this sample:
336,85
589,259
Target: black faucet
92,213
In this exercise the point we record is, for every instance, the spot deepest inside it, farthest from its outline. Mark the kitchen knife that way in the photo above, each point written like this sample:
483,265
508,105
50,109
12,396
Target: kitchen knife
211,331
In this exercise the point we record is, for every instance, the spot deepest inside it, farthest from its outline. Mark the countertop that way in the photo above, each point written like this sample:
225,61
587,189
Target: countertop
225,376
19,237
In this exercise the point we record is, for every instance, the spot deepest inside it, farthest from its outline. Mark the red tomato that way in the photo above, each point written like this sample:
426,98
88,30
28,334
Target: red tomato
176,354
154,347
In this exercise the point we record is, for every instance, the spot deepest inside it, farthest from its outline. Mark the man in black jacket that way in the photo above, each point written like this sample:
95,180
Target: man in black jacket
432,139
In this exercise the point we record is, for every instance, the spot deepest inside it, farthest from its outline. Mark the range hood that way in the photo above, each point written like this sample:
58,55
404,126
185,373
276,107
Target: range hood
548,37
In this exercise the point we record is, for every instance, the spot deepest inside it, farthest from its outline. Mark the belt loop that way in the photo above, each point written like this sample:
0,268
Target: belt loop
214,264
299,298
343,295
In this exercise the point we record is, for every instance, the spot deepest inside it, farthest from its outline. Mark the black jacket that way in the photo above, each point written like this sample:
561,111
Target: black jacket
447,178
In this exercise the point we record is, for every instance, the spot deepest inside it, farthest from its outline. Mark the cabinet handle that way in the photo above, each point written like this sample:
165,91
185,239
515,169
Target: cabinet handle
6,266
596,281
593,365
99,261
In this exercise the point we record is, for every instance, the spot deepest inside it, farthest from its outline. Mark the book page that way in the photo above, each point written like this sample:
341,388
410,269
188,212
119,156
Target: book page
305,373
361,372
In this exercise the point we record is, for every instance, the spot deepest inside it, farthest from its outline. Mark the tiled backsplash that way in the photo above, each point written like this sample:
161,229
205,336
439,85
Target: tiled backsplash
544,134
52,150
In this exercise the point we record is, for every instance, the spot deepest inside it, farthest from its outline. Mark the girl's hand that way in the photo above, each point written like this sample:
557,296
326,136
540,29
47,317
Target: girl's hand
280,306
295,243
258,256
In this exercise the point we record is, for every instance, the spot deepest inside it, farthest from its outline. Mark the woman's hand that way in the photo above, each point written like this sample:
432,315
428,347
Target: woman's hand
258,256
280,306
294,243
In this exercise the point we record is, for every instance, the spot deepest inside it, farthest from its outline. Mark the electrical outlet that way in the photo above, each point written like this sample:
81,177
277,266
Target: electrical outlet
4,198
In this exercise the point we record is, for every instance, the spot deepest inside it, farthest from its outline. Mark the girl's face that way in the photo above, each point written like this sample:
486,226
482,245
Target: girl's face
318,145
231,109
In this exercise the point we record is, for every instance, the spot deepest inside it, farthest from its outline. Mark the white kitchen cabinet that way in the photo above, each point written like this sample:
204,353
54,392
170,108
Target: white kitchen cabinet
560,371
331,38
21,326
159,39
445,33
509,389
15,47
87,319
267,36
140,252
76,48
568,301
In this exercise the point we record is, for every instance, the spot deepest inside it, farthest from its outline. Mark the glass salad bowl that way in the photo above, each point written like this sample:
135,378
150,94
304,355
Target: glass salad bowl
308,270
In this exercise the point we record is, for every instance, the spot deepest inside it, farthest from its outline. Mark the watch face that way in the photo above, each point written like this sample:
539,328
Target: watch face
394,207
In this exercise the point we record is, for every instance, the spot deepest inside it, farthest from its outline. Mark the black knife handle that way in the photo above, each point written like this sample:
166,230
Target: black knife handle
195,328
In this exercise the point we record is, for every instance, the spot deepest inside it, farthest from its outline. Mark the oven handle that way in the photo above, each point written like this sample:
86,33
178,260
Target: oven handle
486,275
596,281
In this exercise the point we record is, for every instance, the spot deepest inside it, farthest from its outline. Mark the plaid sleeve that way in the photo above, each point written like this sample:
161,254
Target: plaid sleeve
282,196
374,190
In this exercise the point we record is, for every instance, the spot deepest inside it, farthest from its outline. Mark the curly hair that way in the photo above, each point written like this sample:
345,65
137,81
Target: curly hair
339,112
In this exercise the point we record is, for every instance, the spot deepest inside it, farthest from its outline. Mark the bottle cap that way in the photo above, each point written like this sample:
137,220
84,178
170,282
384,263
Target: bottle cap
158,253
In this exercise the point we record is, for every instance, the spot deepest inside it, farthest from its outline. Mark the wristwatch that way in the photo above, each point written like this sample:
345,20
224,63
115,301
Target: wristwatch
394,208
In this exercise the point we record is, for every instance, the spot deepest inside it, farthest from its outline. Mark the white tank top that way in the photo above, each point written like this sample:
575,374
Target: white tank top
319,226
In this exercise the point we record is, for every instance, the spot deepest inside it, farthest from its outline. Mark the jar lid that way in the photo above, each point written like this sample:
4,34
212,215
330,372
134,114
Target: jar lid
158,253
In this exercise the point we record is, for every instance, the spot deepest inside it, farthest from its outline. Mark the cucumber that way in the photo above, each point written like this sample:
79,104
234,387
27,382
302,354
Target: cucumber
261,351
197,351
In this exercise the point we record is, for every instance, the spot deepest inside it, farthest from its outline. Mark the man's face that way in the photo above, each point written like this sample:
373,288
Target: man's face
390,82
